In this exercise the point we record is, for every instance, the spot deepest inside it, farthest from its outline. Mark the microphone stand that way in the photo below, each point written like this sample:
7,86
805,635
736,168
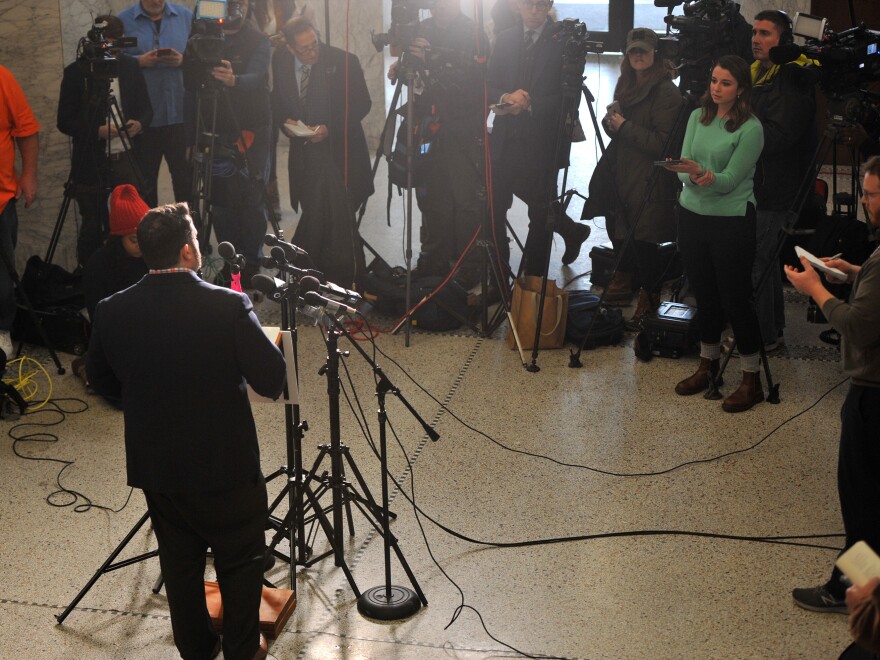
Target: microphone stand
386,602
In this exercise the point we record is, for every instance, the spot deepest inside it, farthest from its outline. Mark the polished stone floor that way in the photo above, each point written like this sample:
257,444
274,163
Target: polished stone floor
577,513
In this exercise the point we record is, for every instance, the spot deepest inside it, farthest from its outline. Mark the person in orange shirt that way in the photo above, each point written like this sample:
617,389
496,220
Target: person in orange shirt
18,128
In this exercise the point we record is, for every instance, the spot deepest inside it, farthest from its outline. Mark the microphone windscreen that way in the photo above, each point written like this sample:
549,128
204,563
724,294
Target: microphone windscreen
278,254
309,285
263,284
785,53
313,299
271,239
226,250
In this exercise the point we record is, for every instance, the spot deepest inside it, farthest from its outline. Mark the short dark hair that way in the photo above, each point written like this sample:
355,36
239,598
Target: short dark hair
163,232
872,166
779,18
297,25
115,28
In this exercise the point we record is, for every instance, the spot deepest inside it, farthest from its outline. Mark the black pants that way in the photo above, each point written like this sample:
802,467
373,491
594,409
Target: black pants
452,209
168,142
858,471
717,253
644,261
232,523
509,180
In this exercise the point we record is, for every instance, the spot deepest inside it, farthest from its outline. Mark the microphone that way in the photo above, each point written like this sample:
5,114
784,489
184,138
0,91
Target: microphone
291,251
785,53
272,287
310,283
331,306
668,4
227,251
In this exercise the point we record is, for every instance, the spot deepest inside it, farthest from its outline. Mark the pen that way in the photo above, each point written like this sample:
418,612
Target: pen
835,256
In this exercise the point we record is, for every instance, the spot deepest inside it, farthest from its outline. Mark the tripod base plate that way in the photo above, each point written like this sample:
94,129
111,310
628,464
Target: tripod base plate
376,604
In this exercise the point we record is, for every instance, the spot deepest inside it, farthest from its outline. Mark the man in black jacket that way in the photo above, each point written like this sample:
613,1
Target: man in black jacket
180,352
83,114
525,71
321,87
783,98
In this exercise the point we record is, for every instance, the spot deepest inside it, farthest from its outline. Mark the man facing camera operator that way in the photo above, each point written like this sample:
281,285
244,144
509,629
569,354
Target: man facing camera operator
783,98
84,115
858,467
525,71
179,351
243,122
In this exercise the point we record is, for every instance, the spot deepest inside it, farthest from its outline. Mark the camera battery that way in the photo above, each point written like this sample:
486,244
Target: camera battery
672,330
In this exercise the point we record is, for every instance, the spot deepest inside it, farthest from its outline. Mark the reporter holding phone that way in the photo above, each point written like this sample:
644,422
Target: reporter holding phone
639,122
716,230
858,463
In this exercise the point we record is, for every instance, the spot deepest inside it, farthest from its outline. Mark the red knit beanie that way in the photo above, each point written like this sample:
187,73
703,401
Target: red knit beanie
126,210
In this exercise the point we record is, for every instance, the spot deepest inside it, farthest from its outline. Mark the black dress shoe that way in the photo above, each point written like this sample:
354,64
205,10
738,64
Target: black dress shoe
574,237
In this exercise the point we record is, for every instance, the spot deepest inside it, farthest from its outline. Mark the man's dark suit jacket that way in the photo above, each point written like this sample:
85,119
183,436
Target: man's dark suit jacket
528,139
325,104
179,350
74,109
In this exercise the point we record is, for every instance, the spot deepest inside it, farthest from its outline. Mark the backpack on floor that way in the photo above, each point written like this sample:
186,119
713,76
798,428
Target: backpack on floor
583,310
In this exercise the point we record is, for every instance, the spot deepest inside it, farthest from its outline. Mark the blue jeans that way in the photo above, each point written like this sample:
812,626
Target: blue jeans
8,239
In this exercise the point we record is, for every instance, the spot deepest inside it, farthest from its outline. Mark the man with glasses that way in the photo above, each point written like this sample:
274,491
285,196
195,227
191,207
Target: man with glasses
858,467
319,99
525,83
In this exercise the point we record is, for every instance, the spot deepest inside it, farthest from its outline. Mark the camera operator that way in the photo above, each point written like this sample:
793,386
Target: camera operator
450,205
783,98
243,123
323,88
161,29
858,467
525,70
83,114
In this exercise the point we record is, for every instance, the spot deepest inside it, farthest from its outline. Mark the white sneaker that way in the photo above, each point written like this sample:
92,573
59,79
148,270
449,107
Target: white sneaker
6,344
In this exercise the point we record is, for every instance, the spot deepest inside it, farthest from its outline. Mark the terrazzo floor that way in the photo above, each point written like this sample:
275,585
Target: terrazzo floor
575,513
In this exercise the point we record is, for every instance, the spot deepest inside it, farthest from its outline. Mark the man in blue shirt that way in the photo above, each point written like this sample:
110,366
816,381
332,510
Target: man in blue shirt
162,29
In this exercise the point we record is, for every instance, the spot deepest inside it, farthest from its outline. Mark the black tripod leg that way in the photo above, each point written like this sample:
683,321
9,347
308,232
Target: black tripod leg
106,566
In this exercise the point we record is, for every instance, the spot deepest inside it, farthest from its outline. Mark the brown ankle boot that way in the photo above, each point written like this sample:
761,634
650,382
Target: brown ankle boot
648,303
699,381
619,290
747,394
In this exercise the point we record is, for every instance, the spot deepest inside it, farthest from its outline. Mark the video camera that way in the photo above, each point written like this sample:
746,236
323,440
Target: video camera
97,55
206,41
575,46
707,30
843,60
404,25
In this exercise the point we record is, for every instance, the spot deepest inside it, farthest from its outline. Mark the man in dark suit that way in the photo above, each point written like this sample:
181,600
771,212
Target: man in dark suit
179,351
83,115
525,70
329,172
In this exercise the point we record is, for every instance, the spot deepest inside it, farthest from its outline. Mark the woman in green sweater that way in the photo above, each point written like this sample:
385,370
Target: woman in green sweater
716,232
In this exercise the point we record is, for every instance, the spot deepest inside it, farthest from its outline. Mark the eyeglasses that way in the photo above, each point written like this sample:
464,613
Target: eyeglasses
542,5
870,195
308,49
